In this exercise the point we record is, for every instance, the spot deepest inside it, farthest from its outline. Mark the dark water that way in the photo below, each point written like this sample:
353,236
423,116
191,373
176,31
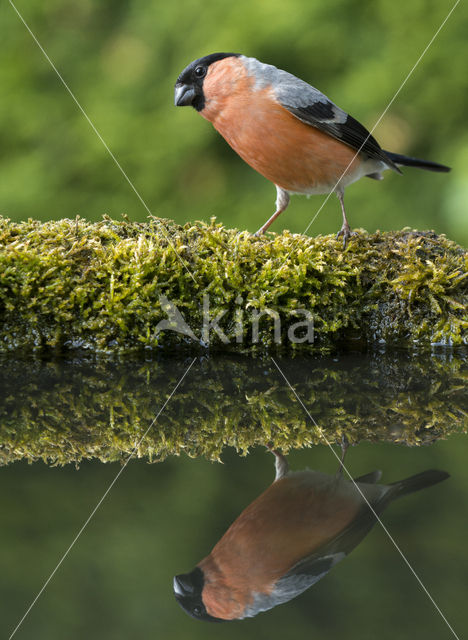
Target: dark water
161,519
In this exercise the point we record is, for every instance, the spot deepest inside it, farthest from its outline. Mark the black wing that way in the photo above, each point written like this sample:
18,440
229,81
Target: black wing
341,126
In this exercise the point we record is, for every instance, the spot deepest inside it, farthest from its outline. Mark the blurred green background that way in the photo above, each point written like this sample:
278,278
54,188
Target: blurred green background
121,60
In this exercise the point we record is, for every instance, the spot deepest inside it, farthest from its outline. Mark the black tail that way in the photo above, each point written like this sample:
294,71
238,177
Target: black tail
417,482
406,161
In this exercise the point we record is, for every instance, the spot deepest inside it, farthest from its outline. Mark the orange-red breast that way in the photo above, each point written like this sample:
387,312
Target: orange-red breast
286,129
287,539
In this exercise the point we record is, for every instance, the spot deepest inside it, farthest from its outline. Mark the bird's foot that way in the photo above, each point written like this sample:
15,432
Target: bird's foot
262,230
281,464
344,448
346,232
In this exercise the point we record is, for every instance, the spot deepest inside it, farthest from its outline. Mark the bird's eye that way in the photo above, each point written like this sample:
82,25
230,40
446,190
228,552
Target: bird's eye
200,72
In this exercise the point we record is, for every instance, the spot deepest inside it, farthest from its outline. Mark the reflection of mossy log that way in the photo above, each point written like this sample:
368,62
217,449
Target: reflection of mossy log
75,284
79,409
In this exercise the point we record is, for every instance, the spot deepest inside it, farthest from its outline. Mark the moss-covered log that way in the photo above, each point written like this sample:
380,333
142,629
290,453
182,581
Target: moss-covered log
106,286
70,410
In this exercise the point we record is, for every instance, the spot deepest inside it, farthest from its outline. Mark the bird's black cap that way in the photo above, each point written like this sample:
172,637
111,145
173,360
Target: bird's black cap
186,75
188,588
189,85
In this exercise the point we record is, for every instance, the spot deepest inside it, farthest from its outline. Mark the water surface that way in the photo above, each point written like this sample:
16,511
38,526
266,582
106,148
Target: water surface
161,519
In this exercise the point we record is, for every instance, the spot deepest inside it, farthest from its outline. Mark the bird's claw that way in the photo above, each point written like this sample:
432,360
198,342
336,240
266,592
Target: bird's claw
346,232
344,444
281,464
270,446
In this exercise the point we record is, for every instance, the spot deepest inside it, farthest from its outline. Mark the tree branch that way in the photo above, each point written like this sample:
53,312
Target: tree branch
106,286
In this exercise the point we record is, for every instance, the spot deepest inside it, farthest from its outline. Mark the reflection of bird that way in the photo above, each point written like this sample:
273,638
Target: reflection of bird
286,129
286,540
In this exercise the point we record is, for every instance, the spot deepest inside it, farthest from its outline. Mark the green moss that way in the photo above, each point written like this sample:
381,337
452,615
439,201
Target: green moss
69,284
66,411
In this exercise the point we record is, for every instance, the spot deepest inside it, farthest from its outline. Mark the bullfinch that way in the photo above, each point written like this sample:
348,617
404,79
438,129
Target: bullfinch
286,129
287,539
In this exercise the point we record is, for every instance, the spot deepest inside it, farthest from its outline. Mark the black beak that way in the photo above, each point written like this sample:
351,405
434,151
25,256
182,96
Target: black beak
183,95
188,588
182,587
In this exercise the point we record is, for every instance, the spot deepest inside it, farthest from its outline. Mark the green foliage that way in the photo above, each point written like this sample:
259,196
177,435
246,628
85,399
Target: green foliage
70,284
69,411
121,60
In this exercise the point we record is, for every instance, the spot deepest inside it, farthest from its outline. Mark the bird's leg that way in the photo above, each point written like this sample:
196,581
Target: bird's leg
344,449
282,201
281,464
345,230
